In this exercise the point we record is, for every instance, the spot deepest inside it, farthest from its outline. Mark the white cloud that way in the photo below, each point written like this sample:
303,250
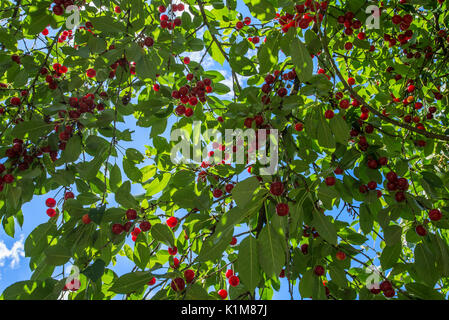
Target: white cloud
13,255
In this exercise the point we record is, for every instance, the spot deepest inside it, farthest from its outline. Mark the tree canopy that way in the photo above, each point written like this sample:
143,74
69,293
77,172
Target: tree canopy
357,91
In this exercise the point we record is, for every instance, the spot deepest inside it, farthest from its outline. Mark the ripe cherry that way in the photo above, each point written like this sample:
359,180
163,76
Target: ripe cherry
86,219
117,228
318,270
173,251
223,293
234,281
145,226
277,188
282,209
421,230
330,181
178,284
131,214
340,255
435,215
189,275
50,202
152,281
172,222
233,241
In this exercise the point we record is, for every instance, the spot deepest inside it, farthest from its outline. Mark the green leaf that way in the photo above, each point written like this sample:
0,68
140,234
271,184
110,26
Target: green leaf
131,282
95,271
271,251
425,265
161,232
340,129
58,255
390,255
301,59
248,263
325,227
72,150
244,190
124,197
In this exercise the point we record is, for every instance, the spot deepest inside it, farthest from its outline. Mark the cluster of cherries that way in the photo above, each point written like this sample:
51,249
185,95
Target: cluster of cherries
57,72
270,79
51,203
277,189
191,94
131,215
166,22
303,18
60,6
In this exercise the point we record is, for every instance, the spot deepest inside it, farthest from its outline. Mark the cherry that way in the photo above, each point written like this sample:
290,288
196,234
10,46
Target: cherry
173,251
91,73
389,293
383,161
217,193
234,281
282,274
131,214
344,104
385,285
282,209
329,114
188,112
233,241
127,226
363,189
340,255
117,9
50,202
372,185
372,164
178,284
435,215
338,170
145,226
51,212
176,263
318,270
330,181
152,281
117,228
186,60
351,81
392,176
299,126
277,188
86,219
148,41
420,230
400,196
223,293
229,187
305,248
239,25
58,10
15,101
172,222
229,273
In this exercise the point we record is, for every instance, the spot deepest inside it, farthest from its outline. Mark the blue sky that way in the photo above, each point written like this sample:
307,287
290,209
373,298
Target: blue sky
14,266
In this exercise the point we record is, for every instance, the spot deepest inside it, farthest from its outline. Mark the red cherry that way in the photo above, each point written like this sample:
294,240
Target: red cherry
86,219
318,270
69,195
282,209
188,112
299,126
435,215
217,193
372,164
229,273
330,181
329,114
91,73
152,281
234,281
229,187
117,228
50,202
233,241
420,230
186,60
51,212
131,214
223,293
148,41
161,9
305,248
173,251
145,226
117,9
351,81
340,255
277,188
178,284
15,101
172,222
